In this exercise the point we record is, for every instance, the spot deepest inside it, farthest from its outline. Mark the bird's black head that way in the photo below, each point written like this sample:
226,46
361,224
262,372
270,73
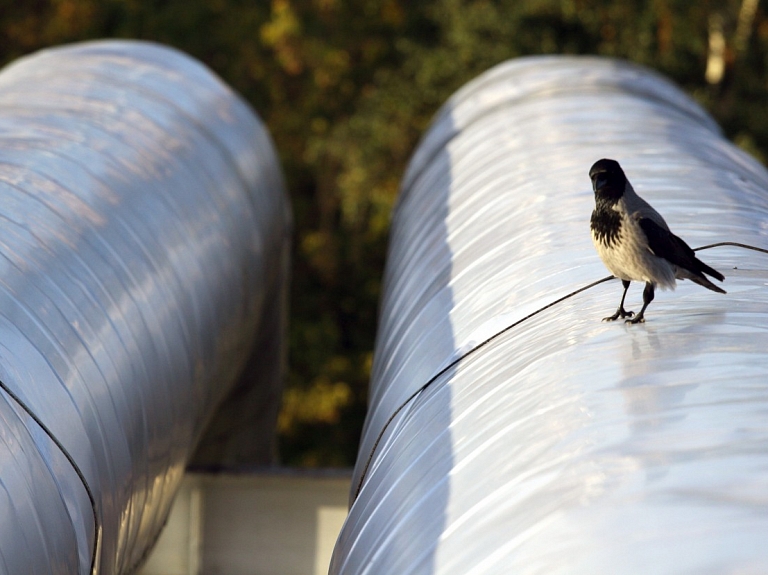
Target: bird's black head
608,180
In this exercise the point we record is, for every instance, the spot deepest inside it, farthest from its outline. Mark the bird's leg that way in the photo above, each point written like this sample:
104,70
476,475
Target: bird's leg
621,312
647,298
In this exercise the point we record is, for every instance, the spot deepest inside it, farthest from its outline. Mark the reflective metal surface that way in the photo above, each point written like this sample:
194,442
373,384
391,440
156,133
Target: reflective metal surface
564,445
143,242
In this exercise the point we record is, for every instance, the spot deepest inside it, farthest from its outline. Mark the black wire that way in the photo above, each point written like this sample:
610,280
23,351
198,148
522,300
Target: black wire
734,244
72,462
494,336
458,360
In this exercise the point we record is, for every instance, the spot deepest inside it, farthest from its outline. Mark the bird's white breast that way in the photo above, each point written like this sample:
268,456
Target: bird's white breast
630,258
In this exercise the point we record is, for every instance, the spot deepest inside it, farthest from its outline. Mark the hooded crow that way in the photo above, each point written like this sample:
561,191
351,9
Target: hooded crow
635,243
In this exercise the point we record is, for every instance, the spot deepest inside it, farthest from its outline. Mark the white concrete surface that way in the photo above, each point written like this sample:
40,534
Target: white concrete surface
270,523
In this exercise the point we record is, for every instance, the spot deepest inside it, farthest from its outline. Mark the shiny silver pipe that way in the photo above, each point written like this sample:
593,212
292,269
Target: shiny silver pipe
144,237
509,429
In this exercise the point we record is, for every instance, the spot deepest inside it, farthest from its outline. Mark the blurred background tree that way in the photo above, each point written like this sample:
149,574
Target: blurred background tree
347,87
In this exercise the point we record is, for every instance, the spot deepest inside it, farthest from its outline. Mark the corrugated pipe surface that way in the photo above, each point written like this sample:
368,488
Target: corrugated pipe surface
510,430
143,237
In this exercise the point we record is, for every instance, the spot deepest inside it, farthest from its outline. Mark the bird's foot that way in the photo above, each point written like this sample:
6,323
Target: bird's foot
620,313
639,319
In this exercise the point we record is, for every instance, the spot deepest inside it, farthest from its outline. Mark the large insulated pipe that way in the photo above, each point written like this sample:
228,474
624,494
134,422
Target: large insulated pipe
143,245
510,430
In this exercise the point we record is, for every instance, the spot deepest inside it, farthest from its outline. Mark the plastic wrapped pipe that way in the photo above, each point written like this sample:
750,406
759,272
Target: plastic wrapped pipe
143,242
510,430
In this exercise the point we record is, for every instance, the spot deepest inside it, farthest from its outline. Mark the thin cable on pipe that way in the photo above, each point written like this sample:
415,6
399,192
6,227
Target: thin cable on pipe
494,336
458,360
72,462
733,244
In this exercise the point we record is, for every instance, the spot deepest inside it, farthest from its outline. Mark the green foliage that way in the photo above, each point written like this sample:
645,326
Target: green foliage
347,87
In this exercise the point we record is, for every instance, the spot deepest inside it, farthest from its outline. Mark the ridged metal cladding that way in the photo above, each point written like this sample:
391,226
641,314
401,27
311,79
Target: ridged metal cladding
144,236
564,444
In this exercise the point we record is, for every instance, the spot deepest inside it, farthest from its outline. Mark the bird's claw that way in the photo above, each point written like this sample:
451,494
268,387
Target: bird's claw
638,319
620,313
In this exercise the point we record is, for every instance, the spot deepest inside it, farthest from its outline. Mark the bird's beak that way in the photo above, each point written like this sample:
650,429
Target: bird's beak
598,182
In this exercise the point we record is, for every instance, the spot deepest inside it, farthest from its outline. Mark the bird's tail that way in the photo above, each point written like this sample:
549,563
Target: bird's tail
704,268
697,276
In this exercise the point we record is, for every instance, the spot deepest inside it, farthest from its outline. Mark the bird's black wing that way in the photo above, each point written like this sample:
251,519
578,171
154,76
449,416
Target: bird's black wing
667,245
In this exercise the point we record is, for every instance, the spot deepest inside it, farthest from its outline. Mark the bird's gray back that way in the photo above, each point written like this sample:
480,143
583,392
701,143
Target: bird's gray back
635,205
